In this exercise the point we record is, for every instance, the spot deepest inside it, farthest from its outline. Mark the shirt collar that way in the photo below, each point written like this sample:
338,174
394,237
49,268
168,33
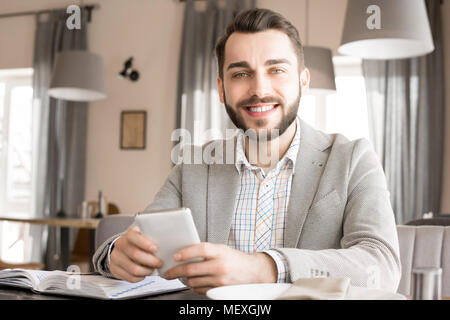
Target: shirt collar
289,156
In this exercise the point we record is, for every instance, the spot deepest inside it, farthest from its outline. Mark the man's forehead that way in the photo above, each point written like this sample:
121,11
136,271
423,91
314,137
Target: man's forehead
265,45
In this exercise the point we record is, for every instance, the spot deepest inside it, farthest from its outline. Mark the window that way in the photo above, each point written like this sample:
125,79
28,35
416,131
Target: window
16,115
345,111
16,125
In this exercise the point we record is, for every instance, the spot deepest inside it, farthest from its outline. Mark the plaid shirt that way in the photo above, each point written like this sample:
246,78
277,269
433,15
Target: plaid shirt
261,205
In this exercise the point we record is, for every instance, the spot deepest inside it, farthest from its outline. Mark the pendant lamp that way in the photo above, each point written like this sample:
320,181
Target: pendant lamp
78,76
386,29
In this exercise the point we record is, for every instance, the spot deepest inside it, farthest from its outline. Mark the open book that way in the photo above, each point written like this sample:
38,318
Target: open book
86,285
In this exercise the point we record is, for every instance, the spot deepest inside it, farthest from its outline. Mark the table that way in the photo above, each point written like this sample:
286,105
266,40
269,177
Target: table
64,224
11,293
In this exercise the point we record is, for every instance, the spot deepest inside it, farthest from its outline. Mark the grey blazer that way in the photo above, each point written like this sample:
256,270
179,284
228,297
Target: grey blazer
339,223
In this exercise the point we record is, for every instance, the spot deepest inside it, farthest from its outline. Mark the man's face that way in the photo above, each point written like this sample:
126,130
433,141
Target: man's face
261,85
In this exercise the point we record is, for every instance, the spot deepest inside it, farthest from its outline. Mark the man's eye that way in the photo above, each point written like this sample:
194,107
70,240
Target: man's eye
239,75
277,71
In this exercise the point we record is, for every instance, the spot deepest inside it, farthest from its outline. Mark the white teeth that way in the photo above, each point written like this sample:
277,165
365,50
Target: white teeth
262,109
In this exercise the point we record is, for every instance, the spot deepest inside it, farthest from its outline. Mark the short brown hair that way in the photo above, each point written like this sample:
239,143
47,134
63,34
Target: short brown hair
258,20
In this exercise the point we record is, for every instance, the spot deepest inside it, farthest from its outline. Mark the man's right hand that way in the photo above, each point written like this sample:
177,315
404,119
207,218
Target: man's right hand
132,258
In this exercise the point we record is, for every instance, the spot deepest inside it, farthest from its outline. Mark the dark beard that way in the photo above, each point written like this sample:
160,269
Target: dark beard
282,126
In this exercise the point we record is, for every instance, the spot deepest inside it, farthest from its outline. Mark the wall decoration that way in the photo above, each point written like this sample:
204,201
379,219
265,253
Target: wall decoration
128,72
133,127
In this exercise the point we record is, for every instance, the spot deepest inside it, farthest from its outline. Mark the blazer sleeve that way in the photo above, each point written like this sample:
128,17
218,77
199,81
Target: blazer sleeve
369,253
169,196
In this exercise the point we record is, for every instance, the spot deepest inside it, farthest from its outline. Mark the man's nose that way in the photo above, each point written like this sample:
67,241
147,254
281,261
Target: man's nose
260,85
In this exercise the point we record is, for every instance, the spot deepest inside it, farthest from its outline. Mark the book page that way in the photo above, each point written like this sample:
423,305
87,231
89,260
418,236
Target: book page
40,275
23,277
97,286
119,289
94,286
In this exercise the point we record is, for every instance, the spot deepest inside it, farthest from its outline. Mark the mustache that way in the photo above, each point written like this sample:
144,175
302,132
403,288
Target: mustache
255,100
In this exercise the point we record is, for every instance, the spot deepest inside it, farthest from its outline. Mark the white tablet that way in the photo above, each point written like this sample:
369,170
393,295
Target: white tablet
171,230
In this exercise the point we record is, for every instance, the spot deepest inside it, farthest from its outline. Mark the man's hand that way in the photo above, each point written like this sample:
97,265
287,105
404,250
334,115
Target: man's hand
221,266
132,258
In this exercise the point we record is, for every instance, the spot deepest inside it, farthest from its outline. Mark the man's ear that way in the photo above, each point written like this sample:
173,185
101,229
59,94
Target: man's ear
220,87
305,78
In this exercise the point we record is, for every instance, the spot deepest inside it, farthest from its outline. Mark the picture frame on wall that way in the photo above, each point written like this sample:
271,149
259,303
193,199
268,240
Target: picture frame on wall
133,128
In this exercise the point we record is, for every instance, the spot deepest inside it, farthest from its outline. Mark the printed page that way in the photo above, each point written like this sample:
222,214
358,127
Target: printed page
118,289
72,284
23,278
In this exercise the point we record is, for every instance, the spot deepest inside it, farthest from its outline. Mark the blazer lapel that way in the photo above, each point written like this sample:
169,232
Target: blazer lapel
308,169
223,185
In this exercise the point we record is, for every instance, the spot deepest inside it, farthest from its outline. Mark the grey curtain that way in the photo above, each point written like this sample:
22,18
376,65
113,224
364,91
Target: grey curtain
61,135
406,115
198,105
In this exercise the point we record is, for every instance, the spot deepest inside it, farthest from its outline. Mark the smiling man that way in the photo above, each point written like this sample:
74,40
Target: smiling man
321,209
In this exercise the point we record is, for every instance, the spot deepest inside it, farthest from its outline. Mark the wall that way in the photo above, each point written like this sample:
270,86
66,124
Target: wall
445,200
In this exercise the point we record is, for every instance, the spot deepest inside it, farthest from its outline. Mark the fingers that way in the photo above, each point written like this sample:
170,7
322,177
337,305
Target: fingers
136,238
122,274
132,257
201,250
191,270
208,281
122,261
138,248
141,257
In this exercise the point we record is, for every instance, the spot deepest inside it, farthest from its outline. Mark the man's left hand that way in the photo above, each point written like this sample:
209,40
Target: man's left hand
222,266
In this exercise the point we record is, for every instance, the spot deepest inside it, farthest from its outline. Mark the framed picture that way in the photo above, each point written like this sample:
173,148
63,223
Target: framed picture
133,127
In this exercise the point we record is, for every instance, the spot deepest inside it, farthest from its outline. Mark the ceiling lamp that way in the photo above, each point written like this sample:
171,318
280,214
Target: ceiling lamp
319,61
78,76
386,29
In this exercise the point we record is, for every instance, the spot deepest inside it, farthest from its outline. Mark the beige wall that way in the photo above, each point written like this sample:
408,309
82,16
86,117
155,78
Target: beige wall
150,30
445,200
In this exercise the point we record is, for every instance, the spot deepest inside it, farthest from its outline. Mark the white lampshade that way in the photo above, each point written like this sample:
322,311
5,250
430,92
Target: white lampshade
403,30
78,76
319,61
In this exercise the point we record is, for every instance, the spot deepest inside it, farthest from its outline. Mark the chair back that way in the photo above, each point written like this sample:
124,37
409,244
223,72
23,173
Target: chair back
424,246
111,225
80,251
439,221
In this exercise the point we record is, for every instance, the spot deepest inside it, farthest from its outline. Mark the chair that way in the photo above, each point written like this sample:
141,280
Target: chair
80,252
424,246
111,225
437,221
